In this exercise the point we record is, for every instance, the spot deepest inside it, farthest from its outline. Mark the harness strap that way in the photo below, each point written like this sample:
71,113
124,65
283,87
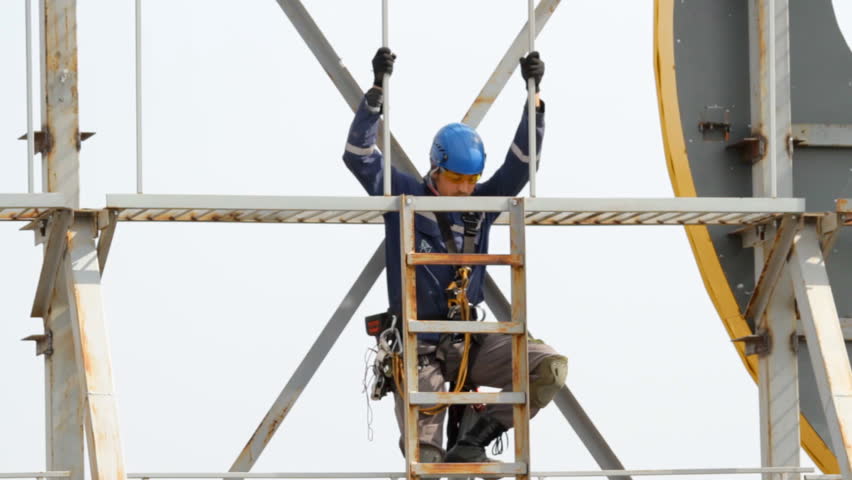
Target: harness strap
472,222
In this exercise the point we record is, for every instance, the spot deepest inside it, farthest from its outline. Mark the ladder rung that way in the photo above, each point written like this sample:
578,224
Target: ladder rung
467,398
447,326
463,259
468,469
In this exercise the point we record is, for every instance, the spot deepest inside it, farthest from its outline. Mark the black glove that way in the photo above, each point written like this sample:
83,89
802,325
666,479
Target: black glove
382,64
532,67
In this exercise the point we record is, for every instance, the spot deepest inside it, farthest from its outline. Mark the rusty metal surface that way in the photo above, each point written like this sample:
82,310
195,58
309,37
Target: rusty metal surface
469,398
441,326
57,242
411,444
94,365
771,271
60,109
310,363
458,469
520,355
463,259
826,345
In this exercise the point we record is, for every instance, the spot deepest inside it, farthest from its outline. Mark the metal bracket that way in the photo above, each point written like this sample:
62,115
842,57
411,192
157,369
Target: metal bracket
41,143
43,343
107,220
752,149
756,344
57,243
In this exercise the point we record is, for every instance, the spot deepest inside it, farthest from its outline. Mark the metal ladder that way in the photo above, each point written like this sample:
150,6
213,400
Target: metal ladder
518,397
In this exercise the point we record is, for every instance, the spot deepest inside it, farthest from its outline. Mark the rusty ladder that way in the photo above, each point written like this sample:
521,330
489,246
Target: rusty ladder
519,397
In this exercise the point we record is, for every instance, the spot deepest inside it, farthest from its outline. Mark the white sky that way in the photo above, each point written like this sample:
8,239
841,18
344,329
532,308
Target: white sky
207,322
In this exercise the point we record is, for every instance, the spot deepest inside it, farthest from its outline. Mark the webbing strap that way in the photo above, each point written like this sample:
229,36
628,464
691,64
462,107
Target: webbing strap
472,222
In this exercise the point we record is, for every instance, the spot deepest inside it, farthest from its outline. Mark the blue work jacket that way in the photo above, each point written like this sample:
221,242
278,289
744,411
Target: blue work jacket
364,160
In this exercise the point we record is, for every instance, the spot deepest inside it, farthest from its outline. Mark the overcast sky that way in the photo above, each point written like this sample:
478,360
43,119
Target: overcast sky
207,322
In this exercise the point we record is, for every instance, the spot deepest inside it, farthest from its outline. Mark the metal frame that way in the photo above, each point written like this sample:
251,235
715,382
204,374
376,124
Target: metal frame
78,380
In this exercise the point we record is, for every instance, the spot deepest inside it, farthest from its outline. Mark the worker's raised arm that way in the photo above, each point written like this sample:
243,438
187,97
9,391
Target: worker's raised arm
513,174
361,155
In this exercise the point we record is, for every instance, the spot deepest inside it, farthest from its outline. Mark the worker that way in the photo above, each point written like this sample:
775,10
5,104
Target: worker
457,159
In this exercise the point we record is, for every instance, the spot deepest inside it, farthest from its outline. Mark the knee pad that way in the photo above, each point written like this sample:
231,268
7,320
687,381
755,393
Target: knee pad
431,454
549,377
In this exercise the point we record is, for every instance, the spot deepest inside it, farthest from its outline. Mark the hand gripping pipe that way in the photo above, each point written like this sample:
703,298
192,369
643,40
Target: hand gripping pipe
386,137
531,118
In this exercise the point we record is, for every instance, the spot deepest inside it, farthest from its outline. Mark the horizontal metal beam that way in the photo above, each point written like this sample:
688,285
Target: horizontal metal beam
36,475
464,259
469,469
444,326
398,475
27,206
822,135
845,327
539,211
467,398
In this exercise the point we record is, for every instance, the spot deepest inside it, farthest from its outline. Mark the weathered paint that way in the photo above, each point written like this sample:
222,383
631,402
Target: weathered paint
462,259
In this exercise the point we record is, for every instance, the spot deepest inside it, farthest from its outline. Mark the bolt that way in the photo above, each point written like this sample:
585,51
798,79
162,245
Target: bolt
514,201
408,201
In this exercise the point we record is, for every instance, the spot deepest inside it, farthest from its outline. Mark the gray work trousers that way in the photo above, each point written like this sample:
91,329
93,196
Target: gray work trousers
491,360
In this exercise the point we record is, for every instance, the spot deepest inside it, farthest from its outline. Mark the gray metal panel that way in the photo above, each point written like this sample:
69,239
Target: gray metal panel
713,86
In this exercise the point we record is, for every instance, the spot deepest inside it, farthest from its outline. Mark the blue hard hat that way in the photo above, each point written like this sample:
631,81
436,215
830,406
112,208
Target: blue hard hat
457,147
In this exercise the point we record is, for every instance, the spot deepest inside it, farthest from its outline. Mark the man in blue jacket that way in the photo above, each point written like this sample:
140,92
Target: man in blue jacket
457,159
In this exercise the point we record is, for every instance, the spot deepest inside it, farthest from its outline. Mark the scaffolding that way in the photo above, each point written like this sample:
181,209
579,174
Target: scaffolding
76,243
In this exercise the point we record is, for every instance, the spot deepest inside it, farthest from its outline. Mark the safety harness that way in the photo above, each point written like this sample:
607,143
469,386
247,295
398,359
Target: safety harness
388,363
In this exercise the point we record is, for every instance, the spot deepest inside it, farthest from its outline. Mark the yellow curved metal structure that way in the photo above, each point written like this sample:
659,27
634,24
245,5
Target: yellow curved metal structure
680,175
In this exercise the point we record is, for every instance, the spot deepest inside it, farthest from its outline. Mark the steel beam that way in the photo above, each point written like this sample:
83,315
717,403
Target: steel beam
107,221
771,271
60,176
62,389
772,176
567,403
59,105
822,135
825,341
311,362
333,66
54,251
94,366
507,65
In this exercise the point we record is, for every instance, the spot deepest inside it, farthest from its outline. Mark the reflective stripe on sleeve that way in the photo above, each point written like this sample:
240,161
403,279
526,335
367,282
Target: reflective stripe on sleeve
363,151
524,158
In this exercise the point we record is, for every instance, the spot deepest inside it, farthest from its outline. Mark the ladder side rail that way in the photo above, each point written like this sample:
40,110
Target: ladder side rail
409,311
520,354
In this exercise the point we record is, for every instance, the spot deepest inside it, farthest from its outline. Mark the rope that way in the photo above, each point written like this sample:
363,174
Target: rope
458,304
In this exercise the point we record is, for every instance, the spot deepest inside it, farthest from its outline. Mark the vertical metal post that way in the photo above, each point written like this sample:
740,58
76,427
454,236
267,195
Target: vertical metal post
94,366
531,119
60,111
826,344
386,136
520,355
138,19
30,137
409,312
62,394
769,47
60,173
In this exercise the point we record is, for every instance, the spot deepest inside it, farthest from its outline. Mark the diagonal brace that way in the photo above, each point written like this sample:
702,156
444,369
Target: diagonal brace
772,268
54,252
310,363
826,345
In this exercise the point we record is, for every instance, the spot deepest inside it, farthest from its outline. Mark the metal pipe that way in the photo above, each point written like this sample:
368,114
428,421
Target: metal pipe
531,118
30,136
386,137
772,128
138,96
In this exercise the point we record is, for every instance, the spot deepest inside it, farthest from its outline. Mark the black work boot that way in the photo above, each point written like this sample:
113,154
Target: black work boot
470,448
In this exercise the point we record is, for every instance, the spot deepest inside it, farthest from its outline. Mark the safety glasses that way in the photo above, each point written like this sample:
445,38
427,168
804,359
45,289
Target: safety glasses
457,178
